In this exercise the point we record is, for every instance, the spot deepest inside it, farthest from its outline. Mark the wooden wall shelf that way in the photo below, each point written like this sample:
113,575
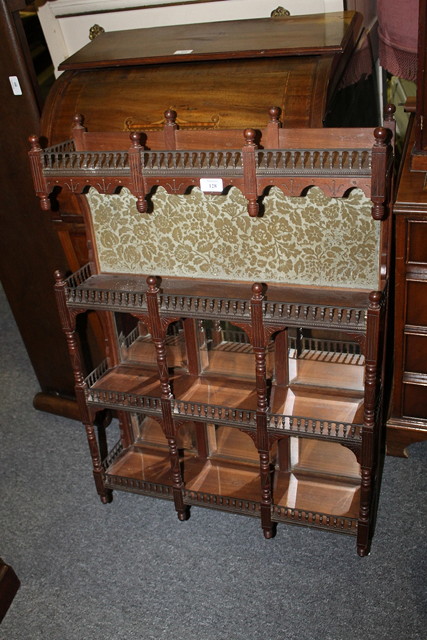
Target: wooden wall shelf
263,398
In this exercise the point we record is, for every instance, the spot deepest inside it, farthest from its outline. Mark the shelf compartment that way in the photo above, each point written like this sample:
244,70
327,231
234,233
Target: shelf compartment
324,369
343,309
144,470
126,386
225,349
316,483
138,348
227,443
319,404
149,431
223,484
325,458
316,500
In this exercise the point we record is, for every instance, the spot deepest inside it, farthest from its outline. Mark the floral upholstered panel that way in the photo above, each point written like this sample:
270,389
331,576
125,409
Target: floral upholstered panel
313,240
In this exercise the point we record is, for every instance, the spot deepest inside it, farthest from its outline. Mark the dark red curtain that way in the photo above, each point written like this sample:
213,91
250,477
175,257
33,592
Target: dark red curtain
398,36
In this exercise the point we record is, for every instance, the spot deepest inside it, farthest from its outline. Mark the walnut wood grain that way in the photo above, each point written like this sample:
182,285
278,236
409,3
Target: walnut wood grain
298,35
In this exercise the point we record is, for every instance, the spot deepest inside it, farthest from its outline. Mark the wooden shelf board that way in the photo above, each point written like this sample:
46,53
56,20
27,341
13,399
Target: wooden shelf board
198,287
321,404
311,492
305,489
218,390
240,394
258,37
326,458
328,374
143,463
223,477
130,378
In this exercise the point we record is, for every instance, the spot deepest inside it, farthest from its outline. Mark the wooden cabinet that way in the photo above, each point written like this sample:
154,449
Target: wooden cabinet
408,421
241,278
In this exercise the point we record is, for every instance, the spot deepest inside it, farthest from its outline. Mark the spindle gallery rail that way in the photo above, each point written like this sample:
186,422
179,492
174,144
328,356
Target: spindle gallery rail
85,290
336,169
63,160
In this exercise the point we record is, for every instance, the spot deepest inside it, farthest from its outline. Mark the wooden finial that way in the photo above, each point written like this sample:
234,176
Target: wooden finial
135,138
257,290
78,121
279,12
249,135
59,276
35,143
170,117
389,112
381,134
152,282
375,298
275,115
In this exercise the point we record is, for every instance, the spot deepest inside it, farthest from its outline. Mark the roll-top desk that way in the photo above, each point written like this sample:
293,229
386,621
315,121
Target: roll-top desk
218,75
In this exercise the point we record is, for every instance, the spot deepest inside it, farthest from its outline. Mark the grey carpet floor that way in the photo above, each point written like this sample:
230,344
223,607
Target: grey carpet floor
130,570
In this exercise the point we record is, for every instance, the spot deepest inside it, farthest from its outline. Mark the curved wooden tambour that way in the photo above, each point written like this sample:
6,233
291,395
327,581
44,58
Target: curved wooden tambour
229,73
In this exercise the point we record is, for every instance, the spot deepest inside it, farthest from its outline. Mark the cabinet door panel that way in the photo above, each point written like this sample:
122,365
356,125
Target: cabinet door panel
416,353
416,311
415,401
417,242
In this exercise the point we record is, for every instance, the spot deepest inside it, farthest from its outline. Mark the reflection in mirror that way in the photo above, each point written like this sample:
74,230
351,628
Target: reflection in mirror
136,345
225,348
324,358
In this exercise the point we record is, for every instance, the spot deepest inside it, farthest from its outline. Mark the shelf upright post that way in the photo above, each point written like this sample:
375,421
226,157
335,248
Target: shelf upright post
158,327
68,323
137,178
250,188
364,527
259,345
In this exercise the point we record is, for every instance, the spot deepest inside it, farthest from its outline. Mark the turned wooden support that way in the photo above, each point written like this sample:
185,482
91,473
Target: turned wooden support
370,426
36,163
259,343
389,122
169,129
272,130
68,323
137,178
249,172
182,510
158,333
380,157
